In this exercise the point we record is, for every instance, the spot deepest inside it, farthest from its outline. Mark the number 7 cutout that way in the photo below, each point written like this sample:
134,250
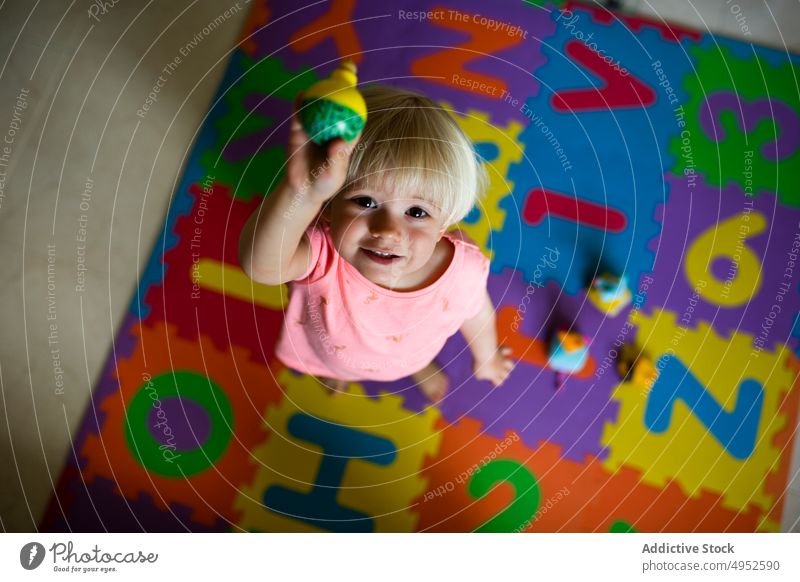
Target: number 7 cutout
618,91
735,430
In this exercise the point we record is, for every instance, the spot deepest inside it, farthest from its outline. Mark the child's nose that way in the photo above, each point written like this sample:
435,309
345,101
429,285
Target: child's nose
384,225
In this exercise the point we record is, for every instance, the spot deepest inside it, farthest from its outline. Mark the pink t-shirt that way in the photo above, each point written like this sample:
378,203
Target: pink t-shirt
341,325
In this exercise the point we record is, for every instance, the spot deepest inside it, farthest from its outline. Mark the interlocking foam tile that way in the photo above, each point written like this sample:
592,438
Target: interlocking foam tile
204,290
528,403
709,427
777,482
583,158
478,482
337,462
745,50
447,58
739,263
182,425
669,32
98,507
253,126
123,347
259,16
742,123
181,202
794,339
497,146
62,510
194,295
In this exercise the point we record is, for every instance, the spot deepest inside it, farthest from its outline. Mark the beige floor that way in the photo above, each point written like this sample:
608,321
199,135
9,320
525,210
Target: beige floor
85,81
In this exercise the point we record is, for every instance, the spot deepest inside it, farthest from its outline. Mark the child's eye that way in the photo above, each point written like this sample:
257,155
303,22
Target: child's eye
417,212
364,201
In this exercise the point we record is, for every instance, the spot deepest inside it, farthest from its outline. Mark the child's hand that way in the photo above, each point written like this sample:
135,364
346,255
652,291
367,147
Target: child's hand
496,369
318,172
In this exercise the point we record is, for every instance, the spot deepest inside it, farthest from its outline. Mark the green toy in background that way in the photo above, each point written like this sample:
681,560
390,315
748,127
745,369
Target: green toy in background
333,107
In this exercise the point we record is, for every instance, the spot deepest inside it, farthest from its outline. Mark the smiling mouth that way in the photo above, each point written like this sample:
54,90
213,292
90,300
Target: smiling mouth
380,257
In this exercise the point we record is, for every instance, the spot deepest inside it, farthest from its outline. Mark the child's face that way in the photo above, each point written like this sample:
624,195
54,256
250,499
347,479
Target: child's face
367,223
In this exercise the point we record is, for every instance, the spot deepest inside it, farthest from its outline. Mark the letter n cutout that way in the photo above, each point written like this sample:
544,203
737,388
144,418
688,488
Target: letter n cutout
617,92
340,444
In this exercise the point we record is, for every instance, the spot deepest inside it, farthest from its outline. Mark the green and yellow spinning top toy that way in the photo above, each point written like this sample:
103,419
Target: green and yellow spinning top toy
333,107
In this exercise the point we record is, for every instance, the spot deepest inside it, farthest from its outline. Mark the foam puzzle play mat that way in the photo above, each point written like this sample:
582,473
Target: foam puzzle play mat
642,217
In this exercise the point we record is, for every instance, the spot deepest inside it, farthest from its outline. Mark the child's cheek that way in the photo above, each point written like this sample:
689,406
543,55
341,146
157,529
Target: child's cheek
351,214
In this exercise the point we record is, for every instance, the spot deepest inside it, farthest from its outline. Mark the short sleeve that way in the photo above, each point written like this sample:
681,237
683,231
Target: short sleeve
477,282
319,252
474,273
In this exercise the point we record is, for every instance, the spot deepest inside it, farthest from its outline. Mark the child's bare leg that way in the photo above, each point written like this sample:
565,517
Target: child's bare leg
332,384
433,381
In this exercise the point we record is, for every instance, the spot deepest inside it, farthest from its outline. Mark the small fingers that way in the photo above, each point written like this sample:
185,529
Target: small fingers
508,367
296,124
298,102
336,148
339,147
297,135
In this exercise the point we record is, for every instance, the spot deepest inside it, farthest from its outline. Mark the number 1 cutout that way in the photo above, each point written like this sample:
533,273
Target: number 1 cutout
735,430
540,202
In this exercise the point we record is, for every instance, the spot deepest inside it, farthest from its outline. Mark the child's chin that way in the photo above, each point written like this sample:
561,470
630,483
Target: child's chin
384,279
376,276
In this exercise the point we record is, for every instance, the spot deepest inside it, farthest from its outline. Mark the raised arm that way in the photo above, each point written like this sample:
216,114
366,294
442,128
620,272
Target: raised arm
272,246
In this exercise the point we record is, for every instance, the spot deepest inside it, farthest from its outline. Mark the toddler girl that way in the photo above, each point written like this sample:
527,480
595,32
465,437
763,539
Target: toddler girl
378,284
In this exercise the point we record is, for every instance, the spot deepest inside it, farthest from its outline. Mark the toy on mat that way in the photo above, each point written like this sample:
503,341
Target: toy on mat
610,294
569,352
635,367
333,107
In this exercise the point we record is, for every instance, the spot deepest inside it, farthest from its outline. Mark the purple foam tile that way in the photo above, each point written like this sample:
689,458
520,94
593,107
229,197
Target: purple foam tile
96,507
248,146
691,211
123,347
413,399
391,44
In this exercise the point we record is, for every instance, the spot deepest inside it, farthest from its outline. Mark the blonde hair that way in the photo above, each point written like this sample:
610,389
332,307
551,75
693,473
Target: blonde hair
411,144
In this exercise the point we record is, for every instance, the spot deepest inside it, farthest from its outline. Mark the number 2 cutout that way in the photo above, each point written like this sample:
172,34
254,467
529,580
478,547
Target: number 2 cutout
735,430
527,494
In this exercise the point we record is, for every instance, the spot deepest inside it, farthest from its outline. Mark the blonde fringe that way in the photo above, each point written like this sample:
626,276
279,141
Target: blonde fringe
411,144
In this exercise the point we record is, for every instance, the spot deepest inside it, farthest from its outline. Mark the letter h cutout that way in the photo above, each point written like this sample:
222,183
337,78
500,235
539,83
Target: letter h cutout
340,444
